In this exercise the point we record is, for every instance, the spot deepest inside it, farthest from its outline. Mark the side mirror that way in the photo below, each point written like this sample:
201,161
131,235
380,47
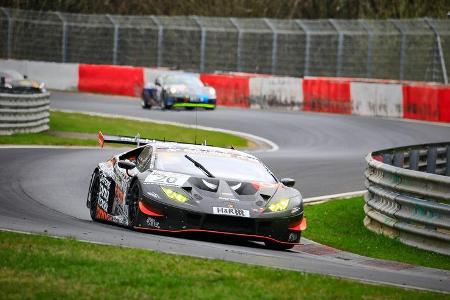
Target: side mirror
157,82
127,165
288,182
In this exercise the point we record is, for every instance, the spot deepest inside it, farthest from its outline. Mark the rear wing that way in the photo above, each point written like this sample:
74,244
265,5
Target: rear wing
136,140
128,140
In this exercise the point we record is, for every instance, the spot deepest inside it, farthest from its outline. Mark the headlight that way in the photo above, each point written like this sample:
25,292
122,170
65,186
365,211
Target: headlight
175,195
212,92
279,205
172,90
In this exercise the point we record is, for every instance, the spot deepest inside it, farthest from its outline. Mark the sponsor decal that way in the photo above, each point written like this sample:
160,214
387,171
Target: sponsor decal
120,196
153,195
231,212
228,199
152,223
166,178
103,194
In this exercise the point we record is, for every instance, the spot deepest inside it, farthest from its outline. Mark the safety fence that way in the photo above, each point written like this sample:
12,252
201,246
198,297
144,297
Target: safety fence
383,98
409,49
24,113
408,195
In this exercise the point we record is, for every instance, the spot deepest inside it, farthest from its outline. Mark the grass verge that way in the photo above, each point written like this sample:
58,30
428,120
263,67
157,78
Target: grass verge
64,125
339,224
49,268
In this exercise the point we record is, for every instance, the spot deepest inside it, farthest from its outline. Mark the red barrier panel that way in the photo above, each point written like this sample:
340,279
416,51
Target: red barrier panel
231,90
421,102
327,95
107,79
444,104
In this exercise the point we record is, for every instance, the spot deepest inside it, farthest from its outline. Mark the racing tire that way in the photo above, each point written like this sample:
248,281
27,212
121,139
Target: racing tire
278,246
145,104
95,189
134,194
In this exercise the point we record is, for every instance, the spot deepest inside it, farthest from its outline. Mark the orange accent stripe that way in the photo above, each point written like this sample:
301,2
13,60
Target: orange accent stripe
258,237
148,211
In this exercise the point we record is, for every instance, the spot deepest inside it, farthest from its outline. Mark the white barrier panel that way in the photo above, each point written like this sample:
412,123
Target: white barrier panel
377,99
276,91
150,74
57,76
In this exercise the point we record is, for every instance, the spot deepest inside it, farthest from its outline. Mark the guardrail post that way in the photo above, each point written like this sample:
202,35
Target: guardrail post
387,158
239,44
340,47
414,159
402,48
447,165
398,159
274,44
116,38
431,160
441,53
64,37
160,40
307,46
9,35
202,42
369,48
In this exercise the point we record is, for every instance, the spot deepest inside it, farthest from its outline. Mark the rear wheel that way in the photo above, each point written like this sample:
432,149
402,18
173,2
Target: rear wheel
134,194
95,188
278,246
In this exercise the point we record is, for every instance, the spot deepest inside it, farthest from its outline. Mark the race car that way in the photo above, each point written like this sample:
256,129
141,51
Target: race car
178,90
170,187
12,81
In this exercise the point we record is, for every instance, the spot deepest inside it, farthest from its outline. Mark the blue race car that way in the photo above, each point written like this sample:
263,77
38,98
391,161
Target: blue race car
178,90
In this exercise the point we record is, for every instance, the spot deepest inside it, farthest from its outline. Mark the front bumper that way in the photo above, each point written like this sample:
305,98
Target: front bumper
180,101
177,220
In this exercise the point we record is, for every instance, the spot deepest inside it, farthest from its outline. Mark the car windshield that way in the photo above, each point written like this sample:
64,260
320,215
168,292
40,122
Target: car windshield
220,165
187,80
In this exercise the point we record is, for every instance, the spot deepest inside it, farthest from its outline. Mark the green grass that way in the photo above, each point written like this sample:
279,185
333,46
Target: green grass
339,224
42,267
81,123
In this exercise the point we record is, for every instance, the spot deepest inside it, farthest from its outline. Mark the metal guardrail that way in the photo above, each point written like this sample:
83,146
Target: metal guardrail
24,113
408,195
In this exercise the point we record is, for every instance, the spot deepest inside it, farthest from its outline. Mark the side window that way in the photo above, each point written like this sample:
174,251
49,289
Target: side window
143,159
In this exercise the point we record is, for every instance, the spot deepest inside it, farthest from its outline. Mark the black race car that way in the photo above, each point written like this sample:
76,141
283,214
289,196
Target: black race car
178,90
12,81
173,187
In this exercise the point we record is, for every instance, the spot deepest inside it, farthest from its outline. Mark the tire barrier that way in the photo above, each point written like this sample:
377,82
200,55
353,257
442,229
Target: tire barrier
408,195
24,113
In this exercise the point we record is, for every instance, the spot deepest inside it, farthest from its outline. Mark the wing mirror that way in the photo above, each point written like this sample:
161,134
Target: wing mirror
289,182
157,82
127,165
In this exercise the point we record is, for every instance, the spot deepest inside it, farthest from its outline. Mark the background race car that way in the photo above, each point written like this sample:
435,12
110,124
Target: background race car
178,90
168,187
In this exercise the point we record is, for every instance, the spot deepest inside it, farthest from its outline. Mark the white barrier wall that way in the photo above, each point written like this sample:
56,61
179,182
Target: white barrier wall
377,99
57,76
276,91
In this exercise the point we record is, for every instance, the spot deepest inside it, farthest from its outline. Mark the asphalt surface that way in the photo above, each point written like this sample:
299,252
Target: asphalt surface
44,190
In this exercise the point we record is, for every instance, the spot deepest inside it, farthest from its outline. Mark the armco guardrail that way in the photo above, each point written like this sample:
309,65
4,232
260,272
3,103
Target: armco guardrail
408,195
24,113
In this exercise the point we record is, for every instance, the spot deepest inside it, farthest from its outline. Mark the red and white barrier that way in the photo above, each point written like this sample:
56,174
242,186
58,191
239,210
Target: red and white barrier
276,91
422,101
376,99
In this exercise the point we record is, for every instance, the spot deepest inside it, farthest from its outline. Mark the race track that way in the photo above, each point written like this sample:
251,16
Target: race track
44,190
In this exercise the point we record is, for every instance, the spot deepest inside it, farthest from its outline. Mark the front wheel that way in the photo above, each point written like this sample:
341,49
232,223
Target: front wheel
95,188
134,194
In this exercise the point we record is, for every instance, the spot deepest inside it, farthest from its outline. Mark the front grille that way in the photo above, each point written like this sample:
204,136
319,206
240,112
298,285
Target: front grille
229,224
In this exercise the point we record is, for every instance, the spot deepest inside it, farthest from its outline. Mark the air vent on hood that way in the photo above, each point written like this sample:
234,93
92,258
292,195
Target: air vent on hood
265,197
187,189
210,184
242,188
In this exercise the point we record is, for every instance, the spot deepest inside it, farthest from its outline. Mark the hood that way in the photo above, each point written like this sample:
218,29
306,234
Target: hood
207,193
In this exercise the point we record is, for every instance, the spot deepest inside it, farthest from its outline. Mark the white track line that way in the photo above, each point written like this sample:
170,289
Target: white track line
326,198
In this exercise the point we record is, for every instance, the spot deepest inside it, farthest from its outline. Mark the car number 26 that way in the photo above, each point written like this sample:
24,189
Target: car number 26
166,178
